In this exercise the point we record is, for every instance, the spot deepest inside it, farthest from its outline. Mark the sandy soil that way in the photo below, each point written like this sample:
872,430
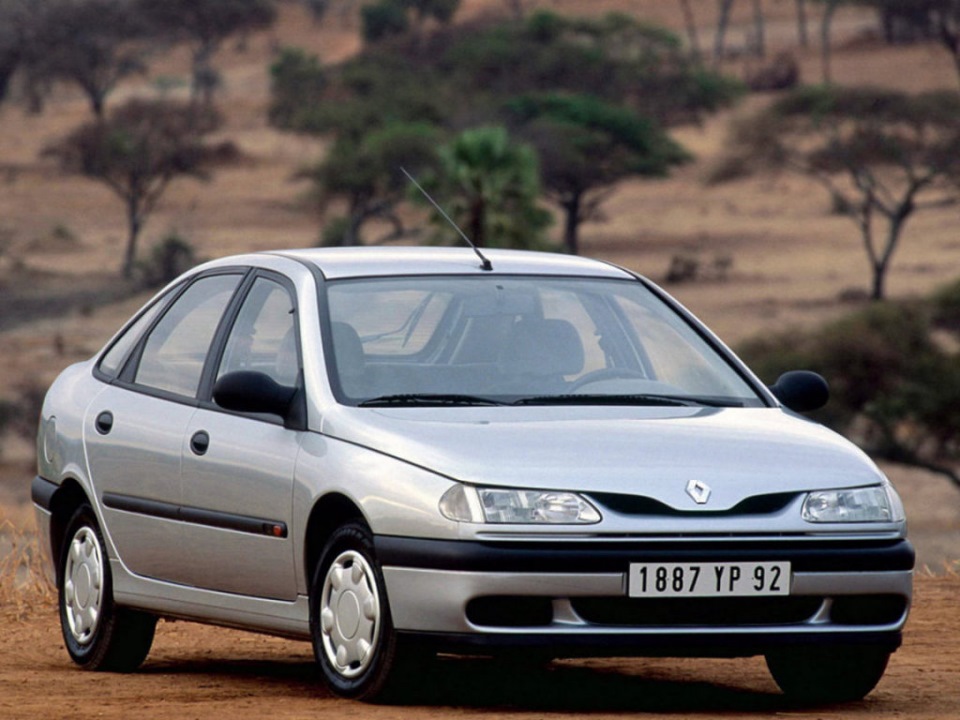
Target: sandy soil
202,672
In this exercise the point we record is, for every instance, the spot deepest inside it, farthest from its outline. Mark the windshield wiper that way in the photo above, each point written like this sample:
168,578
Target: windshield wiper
628,399
427,400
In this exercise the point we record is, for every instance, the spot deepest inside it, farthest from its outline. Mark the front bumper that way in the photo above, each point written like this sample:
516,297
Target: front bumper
571,597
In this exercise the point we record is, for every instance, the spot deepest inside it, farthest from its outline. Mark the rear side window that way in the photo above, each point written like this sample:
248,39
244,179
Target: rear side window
174,353
114,358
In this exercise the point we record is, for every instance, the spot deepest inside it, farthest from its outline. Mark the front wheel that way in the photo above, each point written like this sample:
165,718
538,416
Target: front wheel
824,675
353,636
98,634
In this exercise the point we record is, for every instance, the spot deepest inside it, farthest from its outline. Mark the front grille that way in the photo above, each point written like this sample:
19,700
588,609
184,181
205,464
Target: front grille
640,505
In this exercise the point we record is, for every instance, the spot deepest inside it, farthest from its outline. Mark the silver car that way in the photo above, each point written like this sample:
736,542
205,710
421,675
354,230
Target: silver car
398,452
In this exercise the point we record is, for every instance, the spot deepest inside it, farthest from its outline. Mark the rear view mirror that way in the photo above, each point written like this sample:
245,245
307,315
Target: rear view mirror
252,392
801,390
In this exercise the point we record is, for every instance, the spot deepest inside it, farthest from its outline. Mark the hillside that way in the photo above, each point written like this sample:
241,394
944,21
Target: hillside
792,261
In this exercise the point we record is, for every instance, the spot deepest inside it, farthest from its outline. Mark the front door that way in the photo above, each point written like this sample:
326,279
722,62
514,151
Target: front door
237,471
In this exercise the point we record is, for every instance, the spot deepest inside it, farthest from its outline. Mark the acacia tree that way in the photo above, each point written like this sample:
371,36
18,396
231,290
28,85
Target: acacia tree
365,172
205,25
946,18
15,17
93,44
830,8
802,35
690,23
136,152
585,146
394,17
881,154
724,8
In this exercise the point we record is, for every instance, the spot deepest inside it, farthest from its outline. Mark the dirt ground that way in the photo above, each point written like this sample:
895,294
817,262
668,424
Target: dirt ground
196,671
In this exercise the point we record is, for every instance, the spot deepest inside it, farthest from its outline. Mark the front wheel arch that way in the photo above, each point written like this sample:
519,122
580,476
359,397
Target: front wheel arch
329,513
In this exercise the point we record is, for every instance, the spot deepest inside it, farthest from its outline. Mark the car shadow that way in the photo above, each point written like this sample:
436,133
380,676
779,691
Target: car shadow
482,683
563,687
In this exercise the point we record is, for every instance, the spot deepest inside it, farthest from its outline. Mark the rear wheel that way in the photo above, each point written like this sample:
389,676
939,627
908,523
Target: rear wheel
98,634
353,636
827,674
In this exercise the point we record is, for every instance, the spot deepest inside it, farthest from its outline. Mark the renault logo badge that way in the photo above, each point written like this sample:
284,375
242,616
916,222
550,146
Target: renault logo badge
699,491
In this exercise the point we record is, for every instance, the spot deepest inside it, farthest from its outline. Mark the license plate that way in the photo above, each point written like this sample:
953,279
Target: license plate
675,580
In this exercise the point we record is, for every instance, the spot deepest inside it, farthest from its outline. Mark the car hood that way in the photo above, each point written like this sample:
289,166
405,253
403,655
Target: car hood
655,452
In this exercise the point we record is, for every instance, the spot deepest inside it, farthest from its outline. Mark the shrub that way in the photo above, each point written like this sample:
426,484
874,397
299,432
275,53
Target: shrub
334,232
168,259
891,384
946,307
388,17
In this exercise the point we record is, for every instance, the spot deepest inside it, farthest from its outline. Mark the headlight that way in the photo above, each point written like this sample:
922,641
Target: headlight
500,505
868,504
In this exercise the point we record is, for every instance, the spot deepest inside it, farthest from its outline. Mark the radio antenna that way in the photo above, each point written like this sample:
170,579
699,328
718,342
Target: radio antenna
484,262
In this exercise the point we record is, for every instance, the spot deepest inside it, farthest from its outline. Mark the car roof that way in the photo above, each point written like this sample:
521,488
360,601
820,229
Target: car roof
351,262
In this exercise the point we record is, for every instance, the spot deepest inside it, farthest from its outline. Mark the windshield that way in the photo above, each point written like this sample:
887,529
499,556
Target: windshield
520,340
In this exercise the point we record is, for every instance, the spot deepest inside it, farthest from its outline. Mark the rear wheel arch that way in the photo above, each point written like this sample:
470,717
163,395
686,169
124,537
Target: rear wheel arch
63,505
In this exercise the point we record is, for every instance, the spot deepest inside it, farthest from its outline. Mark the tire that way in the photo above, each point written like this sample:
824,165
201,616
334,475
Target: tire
824,675
354,641
98,634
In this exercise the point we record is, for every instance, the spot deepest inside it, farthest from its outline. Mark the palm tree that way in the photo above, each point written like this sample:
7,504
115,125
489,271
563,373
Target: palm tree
490,184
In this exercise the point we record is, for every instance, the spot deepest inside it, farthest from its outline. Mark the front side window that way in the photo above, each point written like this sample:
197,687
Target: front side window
263,337
176,349
522,339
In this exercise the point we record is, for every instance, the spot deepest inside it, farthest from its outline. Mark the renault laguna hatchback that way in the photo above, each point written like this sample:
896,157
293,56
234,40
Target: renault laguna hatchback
397,452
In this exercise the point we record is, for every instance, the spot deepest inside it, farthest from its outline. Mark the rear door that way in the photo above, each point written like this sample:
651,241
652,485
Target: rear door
135,429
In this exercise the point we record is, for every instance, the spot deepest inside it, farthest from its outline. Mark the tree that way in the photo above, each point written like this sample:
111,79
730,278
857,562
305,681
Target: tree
585,146
723,21
489,185
294,76
802,36
879,153
137,152
205,25
366,173
393,17
946,18
411,79
690,23
90,43
826,25
15,26
759,29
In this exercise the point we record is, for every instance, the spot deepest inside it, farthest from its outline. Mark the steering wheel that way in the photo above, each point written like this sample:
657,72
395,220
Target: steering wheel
611,373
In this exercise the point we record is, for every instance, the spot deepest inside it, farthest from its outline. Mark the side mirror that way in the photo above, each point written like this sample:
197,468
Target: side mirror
253,392
801,390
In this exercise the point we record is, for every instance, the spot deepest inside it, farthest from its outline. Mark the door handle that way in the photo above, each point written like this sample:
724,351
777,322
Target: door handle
200,442
104,422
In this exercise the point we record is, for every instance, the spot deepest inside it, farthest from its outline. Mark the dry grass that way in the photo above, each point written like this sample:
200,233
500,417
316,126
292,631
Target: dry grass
24,585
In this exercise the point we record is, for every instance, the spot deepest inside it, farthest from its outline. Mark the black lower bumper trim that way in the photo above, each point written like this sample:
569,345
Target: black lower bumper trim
41,492
595,557
723,645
